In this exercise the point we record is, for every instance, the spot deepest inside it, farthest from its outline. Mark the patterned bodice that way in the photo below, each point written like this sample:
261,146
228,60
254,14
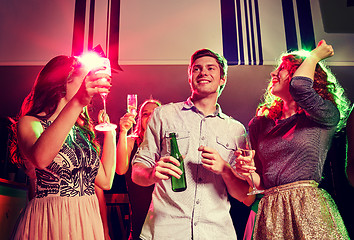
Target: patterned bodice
72,172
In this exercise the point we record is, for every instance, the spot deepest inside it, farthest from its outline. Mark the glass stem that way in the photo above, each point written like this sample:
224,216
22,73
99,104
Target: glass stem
104,97
253,186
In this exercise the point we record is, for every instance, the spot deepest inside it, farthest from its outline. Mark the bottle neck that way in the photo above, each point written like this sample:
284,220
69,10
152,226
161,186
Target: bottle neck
174,146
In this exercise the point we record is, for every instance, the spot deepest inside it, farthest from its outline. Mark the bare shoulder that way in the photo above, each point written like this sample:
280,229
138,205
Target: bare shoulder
28,121
29,126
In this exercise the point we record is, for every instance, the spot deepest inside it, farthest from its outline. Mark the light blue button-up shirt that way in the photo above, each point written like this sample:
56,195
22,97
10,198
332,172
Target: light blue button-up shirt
202,210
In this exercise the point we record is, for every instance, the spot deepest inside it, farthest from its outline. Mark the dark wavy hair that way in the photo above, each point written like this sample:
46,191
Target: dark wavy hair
325,84
48,89
222,62
138,130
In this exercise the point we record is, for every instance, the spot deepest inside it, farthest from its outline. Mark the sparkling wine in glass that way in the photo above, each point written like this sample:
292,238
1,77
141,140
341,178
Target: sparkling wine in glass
132,103
105,126
132,106
91,61
244,144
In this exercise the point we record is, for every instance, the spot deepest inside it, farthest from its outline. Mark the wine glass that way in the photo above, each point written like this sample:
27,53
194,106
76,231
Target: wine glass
105,126
91,61
244,144
132,106
132,103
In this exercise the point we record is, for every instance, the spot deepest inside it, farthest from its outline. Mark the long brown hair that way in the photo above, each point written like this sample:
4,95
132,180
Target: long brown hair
48,89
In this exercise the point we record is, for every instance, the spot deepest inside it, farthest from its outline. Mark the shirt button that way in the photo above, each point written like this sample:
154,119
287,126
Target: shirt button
195,224
203,138
197,202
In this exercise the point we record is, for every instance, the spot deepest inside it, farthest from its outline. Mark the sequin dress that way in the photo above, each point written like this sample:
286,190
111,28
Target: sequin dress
290,156
64,205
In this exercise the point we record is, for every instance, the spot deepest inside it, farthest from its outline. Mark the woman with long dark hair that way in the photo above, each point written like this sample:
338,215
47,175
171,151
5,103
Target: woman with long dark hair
55,143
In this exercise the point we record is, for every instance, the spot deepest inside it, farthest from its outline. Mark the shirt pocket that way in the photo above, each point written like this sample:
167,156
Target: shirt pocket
226,146
183,138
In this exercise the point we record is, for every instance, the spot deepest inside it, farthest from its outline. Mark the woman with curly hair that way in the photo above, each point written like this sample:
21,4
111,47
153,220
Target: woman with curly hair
139,197
56,145
291,133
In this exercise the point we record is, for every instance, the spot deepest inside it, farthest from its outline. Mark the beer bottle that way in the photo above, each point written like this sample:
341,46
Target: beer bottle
178,185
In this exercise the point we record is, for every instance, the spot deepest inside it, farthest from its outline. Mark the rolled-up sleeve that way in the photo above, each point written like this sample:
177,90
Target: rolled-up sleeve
149,150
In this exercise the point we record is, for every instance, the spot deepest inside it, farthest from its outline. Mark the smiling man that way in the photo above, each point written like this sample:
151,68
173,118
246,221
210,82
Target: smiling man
207,139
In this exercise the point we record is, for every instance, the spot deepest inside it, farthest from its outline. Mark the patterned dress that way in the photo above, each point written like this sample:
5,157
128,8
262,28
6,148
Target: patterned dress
64,205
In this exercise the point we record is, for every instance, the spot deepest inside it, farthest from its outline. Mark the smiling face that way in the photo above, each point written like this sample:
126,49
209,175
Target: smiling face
146,114
280,82
205,77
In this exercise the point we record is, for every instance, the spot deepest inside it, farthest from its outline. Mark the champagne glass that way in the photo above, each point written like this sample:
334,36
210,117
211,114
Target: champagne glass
244,144
91,61
132,103
105,126
132,106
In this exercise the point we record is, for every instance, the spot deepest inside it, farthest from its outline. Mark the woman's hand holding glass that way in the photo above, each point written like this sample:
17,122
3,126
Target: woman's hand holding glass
245,166
126,122
105,126
99,67
103,117
246,169
91,84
